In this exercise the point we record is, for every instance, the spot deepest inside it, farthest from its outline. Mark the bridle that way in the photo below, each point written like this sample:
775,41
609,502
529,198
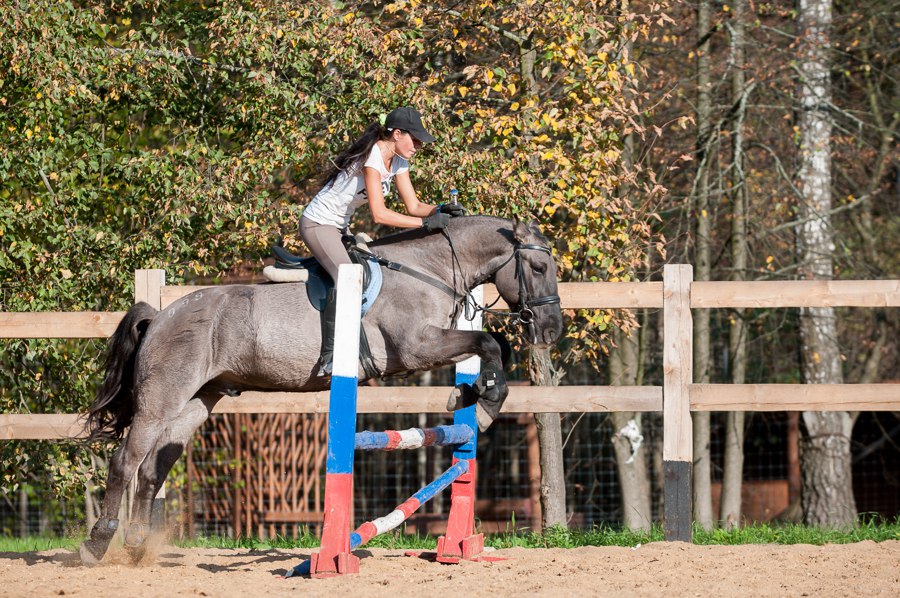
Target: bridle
524,314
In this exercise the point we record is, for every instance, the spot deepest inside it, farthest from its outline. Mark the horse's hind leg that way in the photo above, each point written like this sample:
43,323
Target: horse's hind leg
153,471
142,436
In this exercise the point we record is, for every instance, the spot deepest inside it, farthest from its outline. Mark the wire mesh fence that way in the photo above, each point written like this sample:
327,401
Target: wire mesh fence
508,482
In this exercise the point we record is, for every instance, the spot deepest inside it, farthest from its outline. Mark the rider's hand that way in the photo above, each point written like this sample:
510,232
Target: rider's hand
453,209
435,222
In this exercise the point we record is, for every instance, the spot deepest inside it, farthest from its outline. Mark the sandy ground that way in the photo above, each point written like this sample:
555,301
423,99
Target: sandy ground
676,569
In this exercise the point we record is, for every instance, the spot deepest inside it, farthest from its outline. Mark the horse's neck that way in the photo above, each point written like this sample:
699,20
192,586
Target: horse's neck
479,252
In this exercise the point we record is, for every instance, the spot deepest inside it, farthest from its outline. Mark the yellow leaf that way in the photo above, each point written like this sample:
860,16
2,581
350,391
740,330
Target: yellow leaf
770,259
463,91
463,44
514,107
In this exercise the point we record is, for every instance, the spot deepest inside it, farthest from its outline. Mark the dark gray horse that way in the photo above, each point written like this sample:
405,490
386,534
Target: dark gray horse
166,370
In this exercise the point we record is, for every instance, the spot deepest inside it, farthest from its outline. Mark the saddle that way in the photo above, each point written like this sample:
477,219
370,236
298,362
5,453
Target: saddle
291,268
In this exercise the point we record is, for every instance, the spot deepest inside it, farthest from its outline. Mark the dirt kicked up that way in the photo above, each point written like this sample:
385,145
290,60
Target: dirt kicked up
657,569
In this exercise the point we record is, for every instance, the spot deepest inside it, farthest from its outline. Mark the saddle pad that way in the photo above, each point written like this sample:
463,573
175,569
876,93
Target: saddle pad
319,283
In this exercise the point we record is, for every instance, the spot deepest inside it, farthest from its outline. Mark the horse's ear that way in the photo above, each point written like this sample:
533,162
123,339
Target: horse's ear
523,232
520,230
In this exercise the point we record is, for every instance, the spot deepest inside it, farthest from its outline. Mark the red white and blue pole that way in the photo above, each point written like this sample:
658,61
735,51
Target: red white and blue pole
414,438
376,527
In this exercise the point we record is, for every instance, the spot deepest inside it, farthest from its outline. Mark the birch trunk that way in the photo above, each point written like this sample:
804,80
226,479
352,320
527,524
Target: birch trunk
627,440
702,497
733,468
827,489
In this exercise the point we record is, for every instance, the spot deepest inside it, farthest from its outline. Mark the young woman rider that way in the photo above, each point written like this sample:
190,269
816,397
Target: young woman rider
361,174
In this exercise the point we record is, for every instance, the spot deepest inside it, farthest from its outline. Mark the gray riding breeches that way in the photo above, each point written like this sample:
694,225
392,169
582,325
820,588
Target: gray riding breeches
324,241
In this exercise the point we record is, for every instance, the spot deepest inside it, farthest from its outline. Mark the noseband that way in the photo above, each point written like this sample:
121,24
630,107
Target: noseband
525,313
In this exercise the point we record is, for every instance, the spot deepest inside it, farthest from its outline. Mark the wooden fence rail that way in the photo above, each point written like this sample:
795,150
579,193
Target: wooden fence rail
676,295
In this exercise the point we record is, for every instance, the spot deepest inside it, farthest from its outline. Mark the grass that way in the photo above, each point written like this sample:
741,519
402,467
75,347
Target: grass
37,543
598,536
876,531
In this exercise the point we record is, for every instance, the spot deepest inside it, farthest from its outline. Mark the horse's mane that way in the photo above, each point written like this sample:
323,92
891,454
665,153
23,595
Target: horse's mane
403,236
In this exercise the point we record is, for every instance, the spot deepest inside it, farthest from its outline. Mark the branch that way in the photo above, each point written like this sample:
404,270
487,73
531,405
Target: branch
795,223
491,27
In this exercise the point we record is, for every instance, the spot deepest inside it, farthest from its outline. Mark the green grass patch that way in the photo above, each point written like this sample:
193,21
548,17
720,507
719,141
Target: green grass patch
36,543
766,533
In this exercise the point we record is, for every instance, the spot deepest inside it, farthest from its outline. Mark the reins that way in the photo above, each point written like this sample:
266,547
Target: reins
524,315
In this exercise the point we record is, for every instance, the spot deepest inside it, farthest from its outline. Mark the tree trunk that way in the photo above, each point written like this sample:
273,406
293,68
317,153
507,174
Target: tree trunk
827,492
553,481
628,441
733,468
702,498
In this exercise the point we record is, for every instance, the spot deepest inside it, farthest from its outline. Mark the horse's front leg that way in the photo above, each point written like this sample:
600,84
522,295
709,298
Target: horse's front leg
489,390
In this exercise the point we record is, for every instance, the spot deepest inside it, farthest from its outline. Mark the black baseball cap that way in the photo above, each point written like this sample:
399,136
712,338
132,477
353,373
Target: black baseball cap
409,120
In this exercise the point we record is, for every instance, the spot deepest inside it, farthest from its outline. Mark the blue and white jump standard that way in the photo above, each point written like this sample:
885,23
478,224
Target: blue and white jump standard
335,557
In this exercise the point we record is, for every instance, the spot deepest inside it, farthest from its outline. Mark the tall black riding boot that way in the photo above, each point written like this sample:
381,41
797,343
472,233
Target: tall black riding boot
328,318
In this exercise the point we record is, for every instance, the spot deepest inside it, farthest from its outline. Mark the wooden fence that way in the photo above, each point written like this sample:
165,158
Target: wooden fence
676,295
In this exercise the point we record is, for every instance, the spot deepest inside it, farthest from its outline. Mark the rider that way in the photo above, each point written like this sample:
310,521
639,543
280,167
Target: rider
362,173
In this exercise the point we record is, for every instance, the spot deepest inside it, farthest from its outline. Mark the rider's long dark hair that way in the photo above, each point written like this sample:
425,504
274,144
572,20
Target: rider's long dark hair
355,156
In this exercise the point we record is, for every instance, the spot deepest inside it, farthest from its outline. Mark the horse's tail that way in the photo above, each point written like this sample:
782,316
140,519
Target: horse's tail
113,409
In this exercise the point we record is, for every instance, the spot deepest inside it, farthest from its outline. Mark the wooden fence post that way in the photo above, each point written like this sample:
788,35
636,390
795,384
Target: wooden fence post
677,377
148,288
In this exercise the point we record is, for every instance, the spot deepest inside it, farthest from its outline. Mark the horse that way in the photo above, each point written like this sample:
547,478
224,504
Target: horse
165,370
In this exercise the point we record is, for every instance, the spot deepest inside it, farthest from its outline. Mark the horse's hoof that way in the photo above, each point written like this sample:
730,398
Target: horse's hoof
88,557
461,396
135,535
484,420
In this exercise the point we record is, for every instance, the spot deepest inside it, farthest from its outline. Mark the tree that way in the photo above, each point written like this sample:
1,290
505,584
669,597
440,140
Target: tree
827,490
702,486
733,470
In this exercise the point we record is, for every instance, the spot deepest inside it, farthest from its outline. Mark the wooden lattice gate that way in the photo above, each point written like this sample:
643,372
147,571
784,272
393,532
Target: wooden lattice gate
257,474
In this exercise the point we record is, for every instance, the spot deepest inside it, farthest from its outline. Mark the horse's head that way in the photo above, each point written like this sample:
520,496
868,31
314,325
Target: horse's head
527,282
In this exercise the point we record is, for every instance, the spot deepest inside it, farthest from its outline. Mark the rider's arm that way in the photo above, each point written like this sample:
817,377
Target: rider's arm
380,212
413,206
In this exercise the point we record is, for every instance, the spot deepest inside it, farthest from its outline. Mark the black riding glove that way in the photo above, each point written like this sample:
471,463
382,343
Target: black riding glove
453,209
435,222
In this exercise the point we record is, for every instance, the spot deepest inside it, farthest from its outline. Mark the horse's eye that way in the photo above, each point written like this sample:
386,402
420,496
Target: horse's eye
539,268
